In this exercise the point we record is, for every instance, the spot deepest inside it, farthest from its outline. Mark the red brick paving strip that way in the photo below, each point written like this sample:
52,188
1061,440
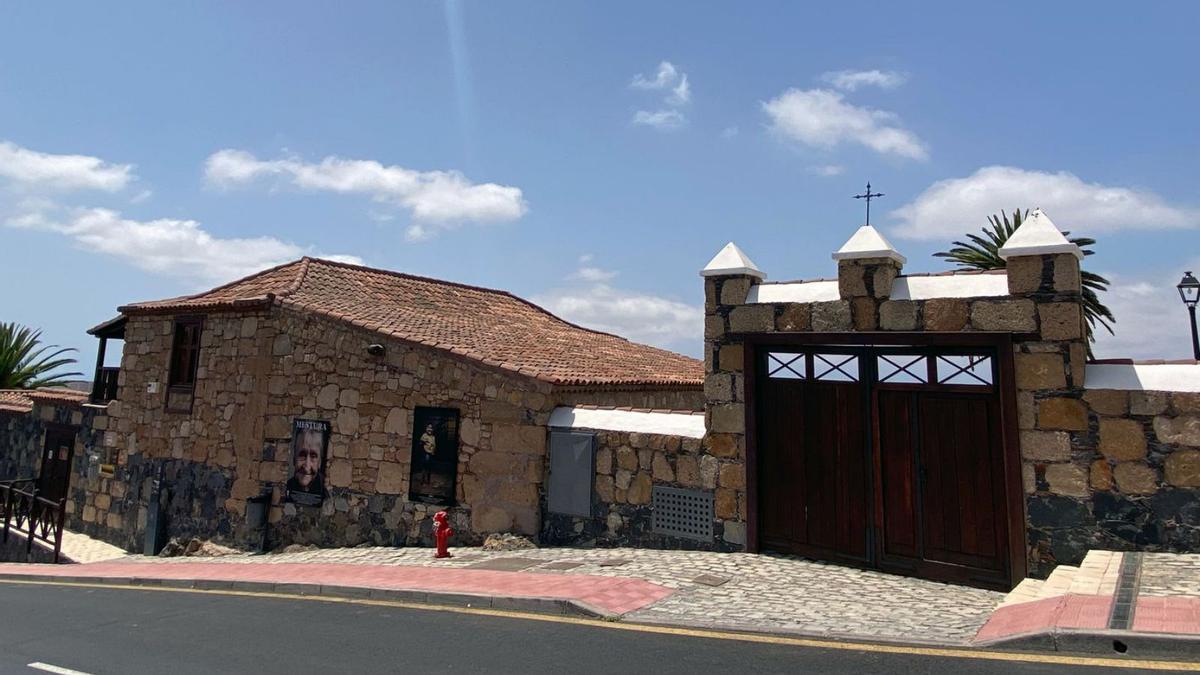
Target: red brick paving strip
1176,615
608,594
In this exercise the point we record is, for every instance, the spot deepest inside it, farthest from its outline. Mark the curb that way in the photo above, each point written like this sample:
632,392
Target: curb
1118,643
537,605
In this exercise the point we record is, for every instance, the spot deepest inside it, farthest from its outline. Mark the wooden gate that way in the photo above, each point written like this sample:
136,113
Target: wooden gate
895,457
54,479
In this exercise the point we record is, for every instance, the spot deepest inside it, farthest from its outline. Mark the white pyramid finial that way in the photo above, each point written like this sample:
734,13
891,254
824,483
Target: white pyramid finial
731,261
1038,235
867,242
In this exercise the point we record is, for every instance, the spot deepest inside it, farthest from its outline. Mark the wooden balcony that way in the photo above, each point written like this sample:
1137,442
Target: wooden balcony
104,386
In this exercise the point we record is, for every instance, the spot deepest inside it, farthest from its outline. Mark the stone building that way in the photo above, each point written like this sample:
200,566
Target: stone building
216,390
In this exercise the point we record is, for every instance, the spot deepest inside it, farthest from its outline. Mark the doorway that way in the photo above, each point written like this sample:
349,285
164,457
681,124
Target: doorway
54,479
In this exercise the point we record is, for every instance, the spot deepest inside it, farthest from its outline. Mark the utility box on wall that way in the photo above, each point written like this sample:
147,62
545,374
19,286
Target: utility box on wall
572,473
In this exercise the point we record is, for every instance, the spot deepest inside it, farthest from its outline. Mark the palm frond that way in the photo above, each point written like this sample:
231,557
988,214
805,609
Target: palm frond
25,363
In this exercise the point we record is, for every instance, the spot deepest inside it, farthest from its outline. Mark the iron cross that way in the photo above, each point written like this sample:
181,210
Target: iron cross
868,195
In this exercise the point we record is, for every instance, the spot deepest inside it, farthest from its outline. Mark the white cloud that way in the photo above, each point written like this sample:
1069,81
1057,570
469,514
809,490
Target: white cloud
823,118
665,76
436,199
851,80
828,170
664,120
730,132
641,317
44,171
178,248
591,273
679,93
948,208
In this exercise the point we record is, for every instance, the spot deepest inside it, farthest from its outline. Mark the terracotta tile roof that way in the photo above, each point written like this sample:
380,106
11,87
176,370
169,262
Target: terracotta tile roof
15,401
494,327
60,395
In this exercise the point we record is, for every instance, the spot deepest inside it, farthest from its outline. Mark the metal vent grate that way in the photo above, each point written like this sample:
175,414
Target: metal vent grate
683,513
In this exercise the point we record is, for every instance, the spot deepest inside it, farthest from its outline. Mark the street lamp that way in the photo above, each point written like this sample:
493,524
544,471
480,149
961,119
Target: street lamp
1189,291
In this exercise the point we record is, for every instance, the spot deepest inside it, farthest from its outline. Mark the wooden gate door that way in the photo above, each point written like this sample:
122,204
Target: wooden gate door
813,471
941,490
55,477
888,457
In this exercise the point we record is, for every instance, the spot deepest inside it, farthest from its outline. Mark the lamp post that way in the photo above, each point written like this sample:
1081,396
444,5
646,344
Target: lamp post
1189,291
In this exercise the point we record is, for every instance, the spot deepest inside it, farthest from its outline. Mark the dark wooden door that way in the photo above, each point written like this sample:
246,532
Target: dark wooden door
942,486
813,468
55,477
892,458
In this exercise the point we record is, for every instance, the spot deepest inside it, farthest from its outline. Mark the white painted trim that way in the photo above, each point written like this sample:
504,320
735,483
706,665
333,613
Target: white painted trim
903,288
668,423
1044,249
58,670
800,291
733,272
950,286
1143,377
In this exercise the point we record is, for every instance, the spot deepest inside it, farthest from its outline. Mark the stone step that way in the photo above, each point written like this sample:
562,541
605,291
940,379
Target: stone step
1059,582
1097,574
1026,591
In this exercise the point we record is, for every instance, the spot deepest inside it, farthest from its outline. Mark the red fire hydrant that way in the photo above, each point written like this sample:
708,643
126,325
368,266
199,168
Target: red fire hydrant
441,532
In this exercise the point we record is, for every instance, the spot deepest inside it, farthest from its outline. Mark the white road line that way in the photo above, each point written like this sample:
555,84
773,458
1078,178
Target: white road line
56,669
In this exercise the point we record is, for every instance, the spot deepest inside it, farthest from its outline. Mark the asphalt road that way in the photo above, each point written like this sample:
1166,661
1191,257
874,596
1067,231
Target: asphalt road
104,630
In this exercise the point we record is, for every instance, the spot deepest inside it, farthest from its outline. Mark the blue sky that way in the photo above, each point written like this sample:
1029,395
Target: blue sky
588,156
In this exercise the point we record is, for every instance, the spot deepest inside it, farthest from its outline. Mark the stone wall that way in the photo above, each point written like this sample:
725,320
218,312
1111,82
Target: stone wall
628,465
20,444
1110,469
260,371
1102,469
22,437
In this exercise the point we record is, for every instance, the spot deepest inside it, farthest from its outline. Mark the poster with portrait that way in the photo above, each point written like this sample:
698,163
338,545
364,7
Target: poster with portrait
306,479
434,456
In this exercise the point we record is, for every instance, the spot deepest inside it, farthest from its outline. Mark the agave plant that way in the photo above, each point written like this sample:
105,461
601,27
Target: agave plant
25,363
983,253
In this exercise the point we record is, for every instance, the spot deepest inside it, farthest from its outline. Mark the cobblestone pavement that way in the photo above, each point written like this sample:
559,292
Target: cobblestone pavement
732,591
1170,574
78,548
81,548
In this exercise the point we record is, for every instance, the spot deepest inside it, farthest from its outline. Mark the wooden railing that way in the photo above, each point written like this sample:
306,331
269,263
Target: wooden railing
31,514
104,387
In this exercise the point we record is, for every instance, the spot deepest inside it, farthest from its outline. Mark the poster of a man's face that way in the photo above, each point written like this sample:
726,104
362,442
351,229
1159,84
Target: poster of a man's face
306,485
434,455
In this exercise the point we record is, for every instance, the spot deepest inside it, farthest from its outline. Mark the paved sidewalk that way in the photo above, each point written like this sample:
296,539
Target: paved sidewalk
1111,600
729,591
76,548
604,596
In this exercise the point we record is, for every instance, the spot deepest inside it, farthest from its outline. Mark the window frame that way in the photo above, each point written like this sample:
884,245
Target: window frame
173,387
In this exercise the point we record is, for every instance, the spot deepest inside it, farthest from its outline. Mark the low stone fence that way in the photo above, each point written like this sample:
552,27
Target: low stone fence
1112,468
637,452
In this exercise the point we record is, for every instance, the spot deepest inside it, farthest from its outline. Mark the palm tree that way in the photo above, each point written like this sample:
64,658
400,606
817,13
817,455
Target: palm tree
22,364
983,253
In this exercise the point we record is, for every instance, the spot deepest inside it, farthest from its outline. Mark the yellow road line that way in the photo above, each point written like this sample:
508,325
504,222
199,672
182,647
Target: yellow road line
873,647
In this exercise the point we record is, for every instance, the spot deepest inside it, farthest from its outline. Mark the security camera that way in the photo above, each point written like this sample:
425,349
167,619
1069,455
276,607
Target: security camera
375,349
